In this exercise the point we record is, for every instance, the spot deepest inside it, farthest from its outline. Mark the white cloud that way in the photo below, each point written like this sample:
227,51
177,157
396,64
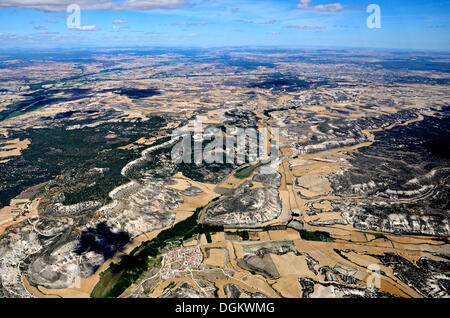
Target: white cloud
155,33
49,32
56,5
304,27
7,35
61,5
149,4
85,28
253,22
193,35
190,24
118,21
332,7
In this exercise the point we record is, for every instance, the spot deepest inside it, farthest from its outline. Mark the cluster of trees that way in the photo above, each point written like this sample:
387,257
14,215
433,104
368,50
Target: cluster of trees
315,236
246,171
132,266
244,235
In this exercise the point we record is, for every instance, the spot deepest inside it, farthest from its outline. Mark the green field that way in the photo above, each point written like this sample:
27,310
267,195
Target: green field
107,281
247,171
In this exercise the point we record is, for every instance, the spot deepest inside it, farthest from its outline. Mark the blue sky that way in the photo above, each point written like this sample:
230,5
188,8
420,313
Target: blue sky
410,24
